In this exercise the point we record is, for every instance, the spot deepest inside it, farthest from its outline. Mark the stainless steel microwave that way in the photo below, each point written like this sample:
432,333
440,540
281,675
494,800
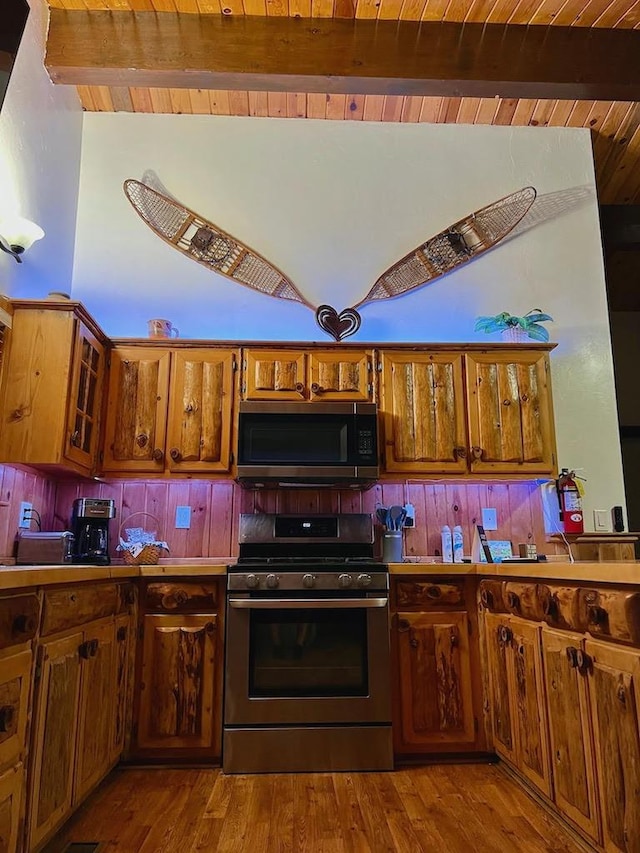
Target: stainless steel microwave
321,444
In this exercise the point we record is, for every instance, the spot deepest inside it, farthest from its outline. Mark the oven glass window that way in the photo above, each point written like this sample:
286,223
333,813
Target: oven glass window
308,653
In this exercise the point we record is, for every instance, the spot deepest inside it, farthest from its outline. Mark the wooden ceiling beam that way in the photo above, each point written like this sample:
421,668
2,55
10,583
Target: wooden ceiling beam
337,56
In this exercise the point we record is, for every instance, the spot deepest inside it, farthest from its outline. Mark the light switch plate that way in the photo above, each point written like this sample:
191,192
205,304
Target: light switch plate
600,519
489,518
183,517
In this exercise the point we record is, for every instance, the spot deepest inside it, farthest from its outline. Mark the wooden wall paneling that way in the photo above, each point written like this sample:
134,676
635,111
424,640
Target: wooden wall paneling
221,520
179,495
521,522
436,516
416,538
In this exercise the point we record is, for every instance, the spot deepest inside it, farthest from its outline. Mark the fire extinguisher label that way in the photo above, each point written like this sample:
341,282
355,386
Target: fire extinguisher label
572,501
575,516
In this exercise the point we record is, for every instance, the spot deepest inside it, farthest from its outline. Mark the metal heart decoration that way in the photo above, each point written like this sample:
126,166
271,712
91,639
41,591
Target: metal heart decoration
340,325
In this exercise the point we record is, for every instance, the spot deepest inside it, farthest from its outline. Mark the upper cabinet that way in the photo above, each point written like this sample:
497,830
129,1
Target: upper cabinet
169,409
510,412
422,404
317,374
51,395
466,411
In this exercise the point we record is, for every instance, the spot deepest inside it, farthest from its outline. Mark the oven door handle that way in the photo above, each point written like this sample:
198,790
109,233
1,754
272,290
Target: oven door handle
307,603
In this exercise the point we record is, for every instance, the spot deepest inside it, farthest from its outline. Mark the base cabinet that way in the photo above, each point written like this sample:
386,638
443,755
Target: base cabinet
178,692
77,696
11,783
178,707
613,679
435,661
570,729
520,729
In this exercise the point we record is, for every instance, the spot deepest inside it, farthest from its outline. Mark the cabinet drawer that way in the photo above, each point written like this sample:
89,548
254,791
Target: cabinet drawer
612,614
19,617
529,600
67,608
176,597
431,593
492,596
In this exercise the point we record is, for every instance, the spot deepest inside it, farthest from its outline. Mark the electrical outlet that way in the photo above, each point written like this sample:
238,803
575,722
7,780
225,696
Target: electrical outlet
410,518
489,518
24,519
600,519
183,517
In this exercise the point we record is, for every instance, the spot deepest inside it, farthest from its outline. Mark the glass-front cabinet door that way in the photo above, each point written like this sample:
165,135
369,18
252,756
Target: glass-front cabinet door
85,398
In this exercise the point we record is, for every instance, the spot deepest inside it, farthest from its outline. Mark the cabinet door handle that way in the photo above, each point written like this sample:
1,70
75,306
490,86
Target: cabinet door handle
513,601
7,718
142,439
459,452
75,438
24,624
572,656
84,650
477,452
486,597
300,388
316,389
158,455
505,635
175,454
584,662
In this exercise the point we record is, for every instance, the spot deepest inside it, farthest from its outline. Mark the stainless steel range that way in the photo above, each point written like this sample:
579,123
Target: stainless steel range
307,681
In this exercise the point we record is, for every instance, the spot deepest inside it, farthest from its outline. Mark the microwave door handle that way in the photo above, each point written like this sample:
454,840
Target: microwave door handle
307,603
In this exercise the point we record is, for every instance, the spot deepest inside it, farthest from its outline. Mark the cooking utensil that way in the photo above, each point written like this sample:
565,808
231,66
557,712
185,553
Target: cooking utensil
396,517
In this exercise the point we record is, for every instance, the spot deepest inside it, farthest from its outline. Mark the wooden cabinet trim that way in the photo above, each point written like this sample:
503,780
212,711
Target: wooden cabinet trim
15,691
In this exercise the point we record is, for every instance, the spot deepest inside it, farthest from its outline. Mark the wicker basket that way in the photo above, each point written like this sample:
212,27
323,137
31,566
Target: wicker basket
150,554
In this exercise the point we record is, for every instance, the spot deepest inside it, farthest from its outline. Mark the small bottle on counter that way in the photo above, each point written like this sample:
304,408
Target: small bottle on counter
447,544
458,544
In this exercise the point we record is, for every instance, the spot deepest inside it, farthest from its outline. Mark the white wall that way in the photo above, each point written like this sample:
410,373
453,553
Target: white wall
333,204
40,142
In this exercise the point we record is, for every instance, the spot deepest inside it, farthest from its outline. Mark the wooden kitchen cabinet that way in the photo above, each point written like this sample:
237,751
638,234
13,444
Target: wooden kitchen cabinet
179,700
178,704
436,667
97,704
57,708
169,410
316,374
51,396
520,728
11,785
423,414
79,700
613,677
572,748
510,412
460,412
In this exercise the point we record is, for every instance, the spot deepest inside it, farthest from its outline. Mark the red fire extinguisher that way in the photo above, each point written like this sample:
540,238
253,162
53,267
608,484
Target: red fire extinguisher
570,502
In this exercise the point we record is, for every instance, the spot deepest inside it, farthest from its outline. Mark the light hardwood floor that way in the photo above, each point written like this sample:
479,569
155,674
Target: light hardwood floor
440,809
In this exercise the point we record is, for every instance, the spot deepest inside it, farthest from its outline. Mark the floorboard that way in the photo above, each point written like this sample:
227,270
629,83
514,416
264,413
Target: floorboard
434,809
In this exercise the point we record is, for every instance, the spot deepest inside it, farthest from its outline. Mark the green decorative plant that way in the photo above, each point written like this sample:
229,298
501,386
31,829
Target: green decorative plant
529,323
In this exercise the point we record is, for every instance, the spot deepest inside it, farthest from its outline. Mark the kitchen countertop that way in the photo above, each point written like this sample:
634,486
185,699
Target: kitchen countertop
620,572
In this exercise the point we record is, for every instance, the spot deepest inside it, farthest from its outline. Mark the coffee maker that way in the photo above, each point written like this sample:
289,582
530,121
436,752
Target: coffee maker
90,527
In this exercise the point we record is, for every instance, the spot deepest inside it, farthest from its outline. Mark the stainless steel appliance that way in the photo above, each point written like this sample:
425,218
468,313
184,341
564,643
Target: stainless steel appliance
38,547
307,680
322,444
90,526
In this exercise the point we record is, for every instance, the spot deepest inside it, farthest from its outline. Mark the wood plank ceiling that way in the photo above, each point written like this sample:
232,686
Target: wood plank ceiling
615,124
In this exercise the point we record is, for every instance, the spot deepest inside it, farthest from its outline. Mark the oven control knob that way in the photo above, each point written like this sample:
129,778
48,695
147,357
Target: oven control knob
364,579
272,581
308,581
252,581
345,580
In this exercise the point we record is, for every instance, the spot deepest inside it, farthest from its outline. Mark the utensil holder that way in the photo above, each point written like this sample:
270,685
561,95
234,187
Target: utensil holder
392,547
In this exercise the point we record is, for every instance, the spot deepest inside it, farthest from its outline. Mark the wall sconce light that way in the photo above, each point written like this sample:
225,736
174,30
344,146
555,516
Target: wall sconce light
17,235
